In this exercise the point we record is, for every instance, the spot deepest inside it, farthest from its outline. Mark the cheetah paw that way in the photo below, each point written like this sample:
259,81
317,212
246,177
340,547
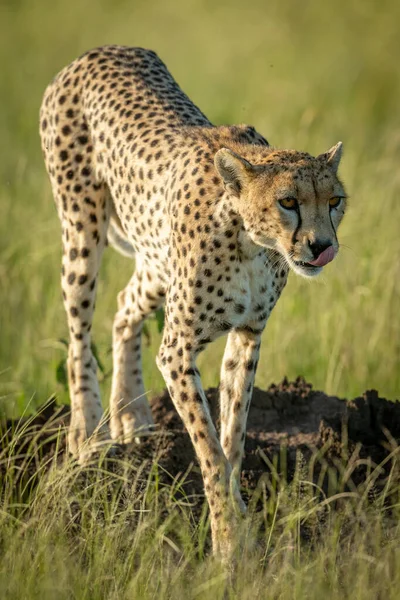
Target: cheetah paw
132,422
86,447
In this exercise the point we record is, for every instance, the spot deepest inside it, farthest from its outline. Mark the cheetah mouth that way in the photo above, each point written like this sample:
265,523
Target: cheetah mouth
306,265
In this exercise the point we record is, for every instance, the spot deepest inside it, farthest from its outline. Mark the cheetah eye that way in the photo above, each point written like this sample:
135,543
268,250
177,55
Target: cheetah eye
334,202
289,203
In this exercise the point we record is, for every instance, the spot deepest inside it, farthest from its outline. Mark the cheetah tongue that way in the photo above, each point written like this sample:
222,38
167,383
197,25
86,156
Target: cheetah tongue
324,258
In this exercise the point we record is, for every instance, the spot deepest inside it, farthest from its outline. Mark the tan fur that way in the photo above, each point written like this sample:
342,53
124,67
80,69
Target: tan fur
130,156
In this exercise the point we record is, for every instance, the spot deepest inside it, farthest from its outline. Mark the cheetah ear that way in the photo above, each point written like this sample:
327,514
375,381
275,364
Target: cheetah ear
234,170
333,156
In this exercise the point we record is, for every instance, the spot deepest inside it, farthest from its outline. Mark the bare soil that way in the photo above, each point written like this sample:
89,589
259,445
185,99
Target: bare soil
287,423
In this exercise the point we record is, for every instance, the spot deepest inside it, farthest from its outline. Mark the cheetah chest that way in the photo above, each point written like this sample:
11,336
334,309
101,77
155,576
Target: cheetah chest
248,297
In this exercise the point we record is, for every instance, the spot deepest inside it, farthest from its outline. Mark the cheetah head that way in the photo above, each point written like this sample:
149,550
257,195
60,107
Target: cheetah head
290,202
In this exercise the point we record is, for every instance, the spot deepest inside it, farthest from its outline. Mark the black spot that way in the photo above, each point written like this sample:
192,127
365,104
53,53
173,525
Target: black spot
240,308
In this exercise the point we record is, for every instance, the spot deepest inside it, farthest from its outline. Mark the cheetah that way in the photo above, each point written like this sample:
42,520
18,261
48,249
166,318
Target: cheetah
215,218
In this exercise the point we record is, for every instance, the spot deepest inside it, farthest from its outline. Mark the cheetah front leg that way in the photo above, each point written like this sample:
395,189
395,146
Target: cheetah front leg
176,361
130,411
237,378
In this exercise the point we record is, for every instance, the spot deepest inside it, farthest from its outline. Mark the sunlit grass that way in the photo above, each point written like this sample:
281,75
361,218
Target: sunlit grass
120,530
306,75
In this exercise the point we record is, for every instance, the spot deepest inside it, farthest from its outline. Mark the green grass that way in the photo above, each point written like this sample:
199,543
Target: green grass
306,75
126,533
305,78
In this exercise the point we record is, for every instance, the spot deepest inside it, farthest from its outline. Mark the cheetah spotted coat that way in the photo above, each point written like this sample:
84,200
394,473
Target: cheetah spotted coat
133,161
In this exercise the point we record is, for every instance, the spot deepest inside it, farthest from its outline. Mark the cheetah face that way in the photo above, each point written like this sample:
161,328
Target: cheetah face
292,203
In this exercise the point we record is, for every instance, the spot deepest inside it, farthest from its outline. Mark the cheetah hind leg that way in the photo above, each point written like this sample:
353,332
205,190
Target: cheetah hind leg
130,414
84,237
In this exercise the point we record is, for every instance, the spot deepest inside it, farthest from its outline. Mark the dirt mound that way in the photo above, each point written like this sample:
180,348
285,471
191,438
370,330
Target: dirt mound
288,421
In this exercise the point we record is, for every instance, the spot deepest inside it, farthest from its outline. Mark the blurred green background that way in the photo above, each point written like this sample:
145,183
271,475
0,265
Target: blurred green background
306,74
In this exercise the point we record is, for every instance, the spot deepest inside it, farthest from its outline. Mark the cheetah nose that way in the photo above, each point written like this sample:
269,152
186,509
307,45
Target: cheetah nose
325,257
